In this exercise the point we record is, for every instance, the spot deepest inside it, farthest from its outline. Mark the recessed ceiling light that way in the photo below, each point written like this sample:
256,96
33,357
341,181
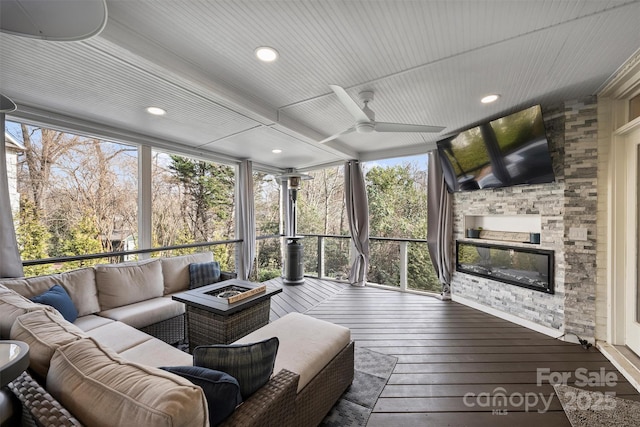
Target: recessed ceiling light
489,99
266,54
156,111
276,151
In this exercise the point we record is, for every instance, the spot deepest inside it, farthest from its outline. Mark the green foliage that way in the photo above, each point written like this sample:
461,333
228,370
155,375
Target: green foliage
83,239
398,208
421,275
268,274
208,213
32,238
210,188
397,205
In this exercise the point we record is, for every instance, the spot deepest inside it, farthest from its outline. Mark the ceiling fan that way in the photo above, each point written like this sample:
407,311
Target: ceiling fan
366,118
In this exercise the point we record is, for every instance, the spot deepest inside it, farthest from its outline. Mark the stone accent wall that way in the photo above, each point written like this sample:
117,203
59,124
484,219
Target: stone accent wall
569,202
581,206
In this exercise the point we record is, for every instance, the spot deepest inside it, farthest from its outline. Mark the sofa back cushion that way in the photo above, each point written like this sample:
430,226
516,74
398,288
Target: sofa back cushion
176,270
44,331
102,389
80,285
13,305
123,284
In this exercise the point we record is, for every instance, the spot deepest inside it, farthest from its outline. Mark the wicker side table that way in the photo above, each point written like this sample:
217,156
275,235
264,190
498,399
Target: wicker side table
212,320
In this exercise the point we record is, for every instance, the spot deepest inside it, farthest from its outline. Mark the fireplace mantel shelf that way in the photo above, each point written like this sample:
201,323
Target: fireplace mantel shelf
504,243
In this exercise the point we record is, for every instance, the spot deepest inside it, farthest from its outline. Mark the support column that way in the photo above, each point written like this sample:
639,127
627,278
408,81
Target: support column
145,205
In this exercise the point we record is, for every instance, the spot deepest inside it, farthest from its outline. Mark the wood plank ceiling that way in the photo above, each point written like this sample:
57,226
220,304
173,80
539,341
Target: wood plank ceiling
428,62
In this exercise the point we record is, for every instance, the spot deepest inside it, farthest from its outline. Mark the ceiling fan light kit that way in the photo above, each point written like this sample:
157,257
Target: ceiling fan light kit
365,117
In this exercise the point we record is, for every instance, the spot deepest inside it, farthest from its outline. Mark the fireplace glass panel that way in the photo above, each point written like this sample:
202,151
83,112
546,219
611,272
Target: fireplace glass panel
529,268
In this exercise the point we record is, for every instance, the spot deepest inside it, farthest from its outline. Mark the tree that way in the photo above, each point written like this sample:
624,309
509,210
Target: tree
32,237
84,239
209,189
43,148
398,208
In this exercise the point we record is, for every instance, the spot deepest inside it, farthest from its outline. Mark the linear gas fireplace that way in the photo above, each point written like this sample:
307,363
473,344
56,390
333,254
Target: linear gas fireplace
525,267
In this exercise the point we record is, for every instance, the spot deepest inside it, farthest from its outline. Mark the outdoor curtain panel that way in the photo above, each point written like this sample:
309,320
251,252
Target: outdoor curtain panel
357,205
440,223
10,263
246,220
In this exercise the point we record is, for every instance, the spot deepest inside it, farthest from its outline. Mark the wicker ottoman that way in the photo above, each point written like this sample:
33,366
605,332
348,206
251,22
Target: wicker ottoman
320,352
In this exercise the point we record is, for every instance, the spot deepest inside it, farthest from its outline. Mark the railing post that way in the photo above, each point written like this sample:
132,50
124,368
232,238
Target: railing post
320,257
404,262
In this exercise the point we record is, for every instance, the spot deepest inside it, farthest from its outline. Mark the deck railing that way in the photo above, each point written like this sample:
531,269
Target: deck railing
65,263
396,262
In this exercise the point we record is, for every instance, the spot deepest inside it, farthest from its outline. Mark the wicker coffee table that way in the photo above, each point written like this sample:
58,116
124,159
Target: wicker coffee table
211,319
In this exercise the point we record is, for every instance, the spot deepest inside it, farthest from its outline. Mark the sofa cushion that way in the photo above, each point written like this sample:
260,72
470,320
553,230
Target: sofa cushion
221,389
118,337
44,332
204,273
251,364
80,285
13,305
307,344
87,323
59,299
102,389
157,353
176,270
145,313
122,284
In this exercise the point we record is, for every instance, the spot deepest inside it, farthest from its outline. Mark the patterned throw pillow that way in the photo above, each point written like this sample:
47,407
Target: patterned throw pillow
251,364
59,299
203,273
221,389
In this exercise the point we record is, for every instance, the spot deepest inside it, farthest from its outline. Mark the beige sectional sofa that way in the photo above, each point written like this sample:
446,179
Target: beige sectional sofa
102,370
135,293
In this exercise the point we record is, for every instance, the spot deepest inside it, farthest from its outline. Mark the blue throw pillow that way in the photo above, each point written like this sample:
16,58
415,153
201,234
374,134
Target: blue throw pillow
59,299
203,273
251,364
221,389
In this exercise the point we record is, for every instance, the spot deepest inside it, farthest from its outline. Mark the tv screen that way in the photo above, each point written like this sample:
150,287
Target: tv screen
511,150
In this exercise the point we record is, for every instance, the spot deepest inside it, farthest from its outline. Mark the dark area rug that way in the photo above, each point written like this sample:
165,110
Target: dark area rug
372,371
590,409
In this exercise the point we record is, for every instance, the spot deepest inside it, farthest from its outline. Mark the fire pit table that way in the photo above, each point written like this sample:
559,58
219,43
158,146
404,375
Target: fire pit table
224,312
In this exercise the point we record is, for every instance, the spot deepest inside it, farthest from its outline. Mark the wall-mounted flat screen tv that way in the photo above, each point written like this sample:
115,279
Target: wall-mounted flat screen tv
511,150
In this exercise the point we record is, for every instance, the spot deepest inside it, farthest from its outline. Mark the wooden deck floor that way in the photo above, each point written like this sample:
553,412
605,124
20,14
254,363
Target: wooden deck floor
447,351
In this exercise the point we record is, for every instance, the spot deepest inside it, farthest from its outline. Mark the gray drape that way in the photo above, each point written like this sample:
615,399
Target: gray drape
357,205
440,223
246,220
10,262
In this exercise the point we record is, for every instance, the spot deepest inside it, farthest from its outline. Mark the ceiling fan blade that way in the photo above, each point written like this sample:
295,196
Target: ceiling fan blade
350,104
337,135
400,127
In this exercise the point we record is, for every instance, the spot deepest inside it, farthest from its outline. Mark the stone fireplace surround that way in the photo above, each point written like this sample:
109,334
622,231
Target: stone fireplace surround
570,202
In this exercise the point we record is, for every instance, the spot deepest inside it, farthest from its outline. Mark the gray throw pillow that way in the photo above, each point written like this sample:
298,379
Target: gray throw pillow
220,389
251,364
203,273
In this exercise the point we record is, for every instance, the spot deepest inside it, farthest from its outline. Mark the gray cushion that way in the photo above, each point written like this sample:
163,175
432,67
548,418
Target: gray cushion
221,389
203,273
176,270
251,364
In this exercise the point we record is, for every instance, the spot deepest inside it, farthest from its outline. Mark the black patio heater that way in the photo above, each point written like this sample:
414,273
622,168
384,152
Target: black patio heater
293,249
